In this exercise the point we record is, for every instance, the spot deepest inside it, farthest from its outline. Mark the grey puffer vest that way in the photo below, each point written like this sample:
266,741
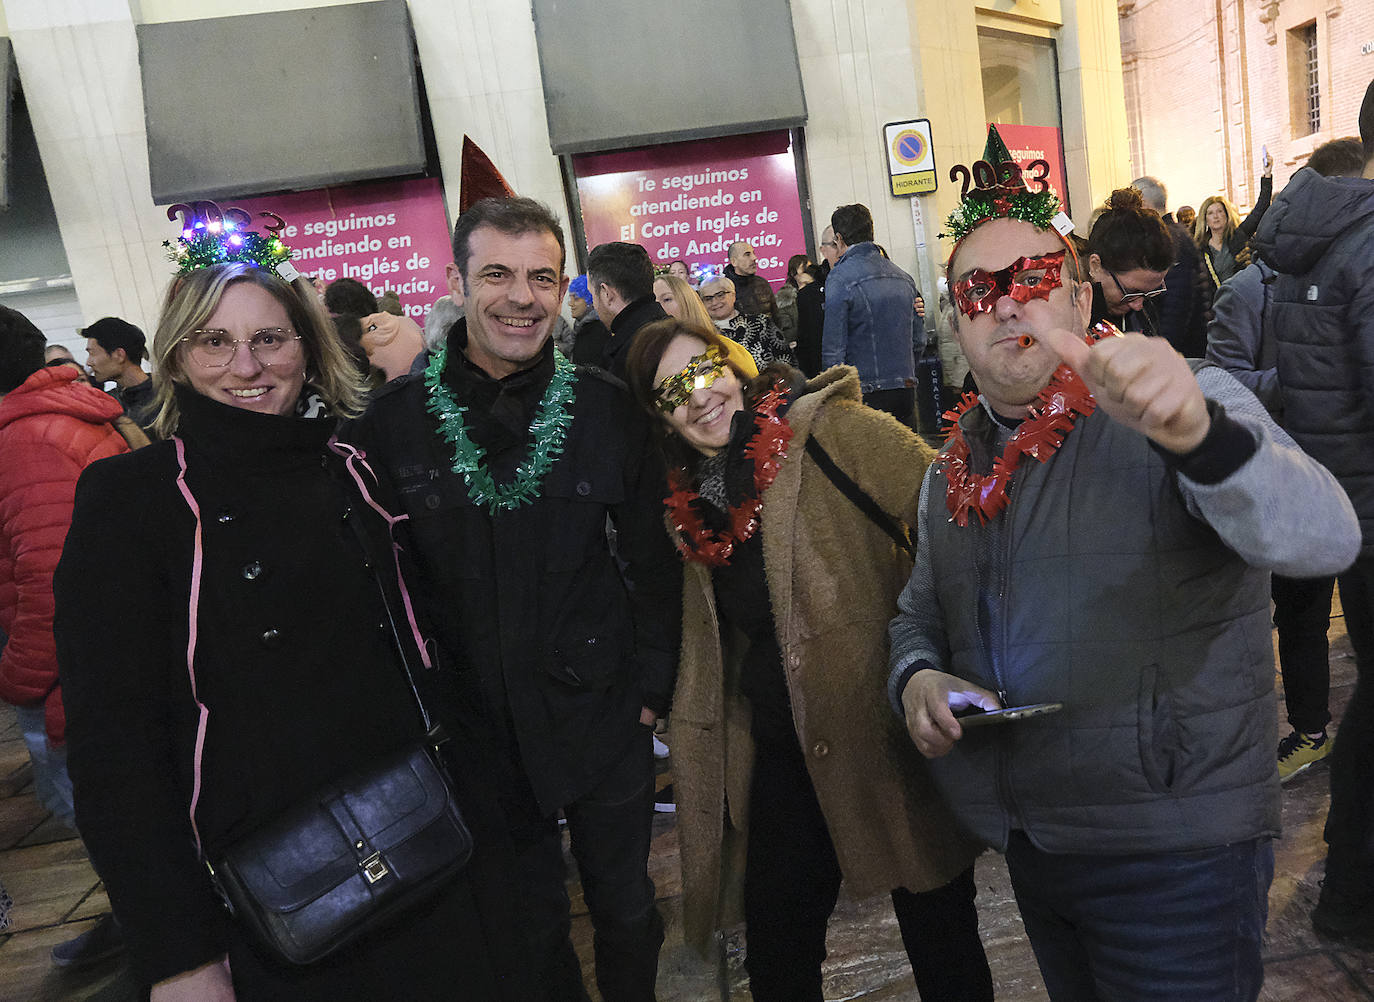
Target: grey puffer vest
1096,588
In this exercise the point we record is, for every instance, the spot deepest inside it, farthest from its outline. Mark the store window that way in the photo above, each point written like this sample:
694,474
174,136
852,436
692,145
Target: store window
1021,97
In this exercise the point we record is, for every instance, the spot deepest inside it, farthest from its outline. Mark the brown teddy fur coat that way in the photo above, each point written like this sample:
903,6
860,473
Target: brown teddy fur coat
833,577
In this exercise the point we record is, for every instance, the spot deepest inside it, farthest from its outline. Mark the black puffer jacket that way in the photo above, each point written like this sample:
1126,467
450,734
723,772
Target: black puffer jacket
1319,236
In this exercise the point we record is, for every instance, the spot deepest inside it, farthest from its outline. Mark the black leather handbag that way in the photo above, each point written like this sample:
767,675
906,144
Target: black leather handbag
348,859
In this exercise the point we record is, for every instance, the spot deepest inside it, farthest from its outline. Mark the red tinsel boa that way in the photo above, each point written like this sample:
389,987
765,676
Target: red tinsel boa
1064,398
767,449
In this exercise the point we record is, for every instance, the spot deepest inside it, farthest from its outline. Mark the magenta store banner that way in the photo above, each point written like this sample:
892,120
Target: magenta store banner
387,235
1038,142
692,200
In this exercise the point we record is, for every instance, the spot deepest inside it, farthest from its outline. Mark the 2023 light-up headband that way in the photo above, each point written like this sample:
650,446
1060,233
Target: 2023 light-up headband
700,372
211,235
1024,279
997,187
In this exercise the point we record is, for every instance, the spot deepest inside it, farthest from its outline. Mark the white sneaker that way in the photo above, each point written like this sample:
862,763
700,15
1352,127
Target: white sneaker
664,801
660,749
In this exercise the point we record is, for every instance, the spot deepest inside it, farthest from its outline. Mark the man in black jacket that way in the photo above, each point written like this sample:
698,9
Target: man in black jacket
115,350
509,460
621,278
1319,237
754,296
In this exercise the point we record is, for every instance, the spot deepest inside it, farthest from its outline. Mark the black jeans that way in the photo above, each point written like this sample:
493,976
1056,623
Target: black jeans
1302,614
1350,821
900,403
609,829
791,883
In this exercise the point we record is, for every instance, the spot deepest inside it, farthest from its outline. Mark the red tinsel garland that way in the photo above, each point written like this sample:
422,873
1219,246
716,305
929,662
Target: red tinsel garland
1063,399
767,449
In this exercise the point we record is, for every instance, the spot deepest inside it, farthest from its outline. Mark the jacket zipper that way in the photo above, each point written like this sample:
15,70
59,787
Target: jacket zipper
1003,566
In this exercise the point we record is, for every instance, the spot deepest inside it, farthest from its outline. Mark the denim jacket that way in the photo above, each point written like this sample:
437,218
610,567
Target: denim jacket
871,321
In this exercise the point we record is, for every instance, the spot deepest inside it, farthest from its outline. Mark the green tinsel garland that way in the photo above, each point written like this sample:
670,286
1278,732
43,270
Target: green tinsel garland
983,204
549,427
206,249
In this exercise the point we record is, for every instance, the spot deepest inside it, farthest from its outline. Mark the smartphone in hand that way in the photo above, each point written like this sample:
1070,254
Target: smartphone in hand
976,716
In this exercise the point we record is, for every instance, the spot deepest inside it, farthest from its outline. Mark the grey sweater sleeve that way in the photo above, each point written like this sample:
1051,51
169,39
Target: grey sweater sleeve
1280,510
1236,336
918,631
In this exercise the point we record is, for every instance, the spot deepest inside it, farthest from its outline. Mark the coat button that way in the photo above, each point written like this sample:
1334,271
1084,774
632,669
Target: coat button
583,488
225,516
794,661
271,638
820,749
432,501
252,571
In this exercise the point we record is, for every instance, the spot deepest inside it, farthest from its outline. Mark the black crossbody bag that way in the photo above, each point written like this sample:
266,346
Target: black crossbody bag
861,500
351,857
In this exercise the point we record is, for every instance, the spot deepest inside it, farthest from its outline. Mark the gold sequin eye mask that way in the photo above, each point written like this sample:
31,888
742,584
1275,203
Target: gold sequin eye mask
700,372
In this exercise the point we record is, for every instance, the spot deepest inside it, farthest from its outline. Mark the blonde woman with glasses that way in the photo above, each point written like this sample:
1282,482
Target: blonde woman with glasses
225,603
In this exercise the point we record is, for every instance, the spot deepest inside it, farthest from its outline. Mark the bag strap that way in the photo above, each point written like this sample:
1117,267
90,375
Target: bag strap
899,533
1211,268
353,458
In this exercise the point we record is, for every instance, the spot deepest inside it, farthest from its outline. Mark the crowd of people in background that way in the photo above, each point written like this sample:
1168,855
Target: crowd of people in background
705,499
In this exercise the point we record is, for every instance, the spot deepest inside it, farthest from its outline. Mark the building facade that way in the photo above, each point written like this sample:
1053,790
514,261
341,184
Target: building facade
1210,85
1050,68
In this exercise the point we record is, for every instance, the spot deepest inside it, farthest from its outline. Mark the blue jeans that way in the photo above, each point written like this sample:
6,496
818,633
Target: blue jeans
1175,926
51,784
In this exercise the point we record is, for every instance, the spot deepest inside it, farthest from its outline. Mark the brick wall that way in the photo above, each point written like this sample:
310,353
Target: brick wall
1210,89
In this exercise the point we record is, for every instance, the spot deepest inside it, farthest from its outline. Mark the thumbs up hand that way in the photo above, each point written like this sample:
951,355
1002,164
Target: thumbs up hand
1141,382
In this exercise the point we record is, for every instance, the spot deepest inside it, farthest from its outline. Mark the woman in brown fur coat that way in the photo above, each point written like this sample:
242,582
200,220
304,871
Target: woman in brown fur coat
790,770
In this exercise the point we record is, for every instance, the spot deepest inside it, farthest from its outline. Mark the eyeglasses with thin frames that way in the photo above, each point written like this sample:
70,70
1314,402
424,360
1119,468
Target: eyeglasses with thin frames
1131,298
214,349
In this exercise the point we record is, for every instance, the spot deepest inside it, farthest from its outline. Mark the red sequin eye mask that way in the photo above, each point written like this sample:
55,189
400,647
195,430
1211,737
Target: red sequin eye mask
1023,280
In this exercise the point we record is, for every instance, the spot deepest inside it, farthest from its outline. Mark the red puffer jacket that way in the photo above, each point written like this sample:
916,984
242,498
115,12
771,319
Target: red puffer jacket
51,428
